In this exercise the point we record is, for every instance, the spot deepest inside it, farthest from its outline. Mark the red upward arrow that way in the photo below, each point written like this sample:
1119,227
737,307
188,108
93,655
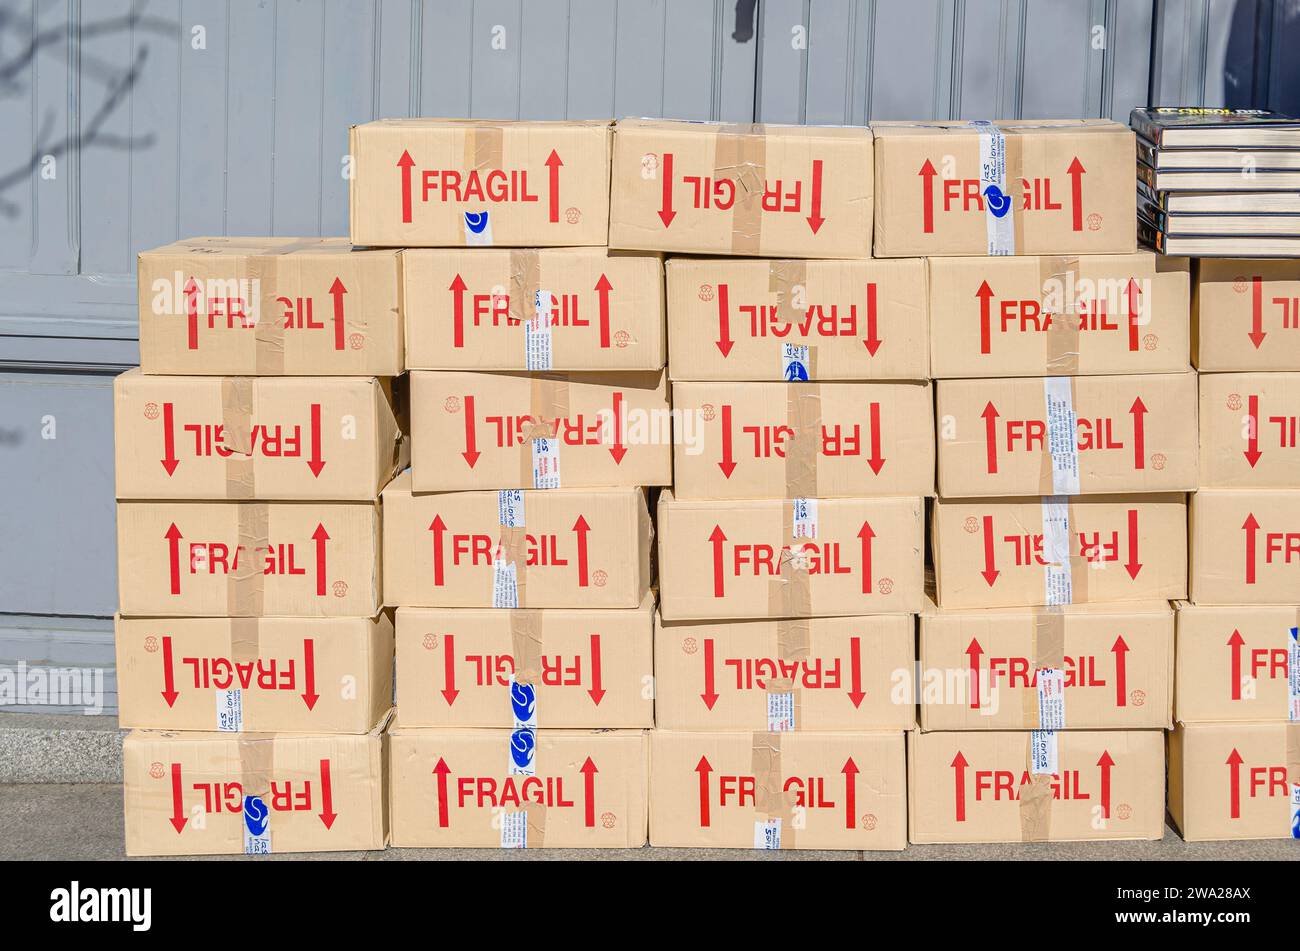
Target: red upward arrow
1251,526
724,341
449,691
856,693
405,163
974,651
866,533
728,463
618,450
581,528
471,453
169,676
192,312
1256,334
959,765
441,771
315,463
588,770
872,341
320,537
554,164
666,213
990,415
1120,650
437,526
1134,292
337,290
1139,411
927,174
173,536
703,768
815,219
990,572
1105,763
457,288
1252,452
850,771
603,287
1234,762
985,295
1236,642
327,814
597,691
717,538
1076,171
710,695
309,672
169,460
178,819
1133,566
875,460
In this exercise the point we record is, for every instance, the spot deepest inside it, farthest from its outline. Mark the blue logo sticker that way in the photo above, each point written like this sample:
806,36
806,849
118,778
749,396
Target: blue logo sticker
796,372
523,699
522,745
999,204
476,222
256,816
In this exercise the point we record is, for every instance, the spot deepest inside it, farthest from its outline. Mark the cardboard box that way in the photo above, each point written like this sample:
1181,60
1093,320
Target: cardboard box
1245,546
991,553
755,190
778,790
464,667
558,430
1063,786
1235,780
1246,315
1250,430
248,559
800,558
270,307
1064,435
478,309
470,182
497,789
254,675
1011,187
1067,316
220,794
737,319
795,440
1078,666
559,548
254,437
1235,663
842,673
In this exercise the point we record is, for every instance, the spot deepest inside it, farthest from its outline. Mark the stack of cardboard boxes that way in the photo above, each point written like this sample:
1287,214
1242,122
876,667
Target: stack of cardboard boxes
253,657
1234,757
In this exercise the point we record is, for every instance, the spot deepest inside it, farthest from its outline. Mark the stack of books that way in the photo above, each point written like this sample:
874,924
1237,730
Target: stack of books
1218,182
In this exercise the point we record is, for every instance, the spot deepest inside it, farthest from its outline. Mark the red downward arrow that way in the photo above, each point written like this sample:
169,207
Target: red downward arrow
927,174
597,691
554,164
974,652
178,819
856,693
309,672
169,460
1076,171
1251,526
875,460
471,453
603,287
872,341
618,450
990,572
850,771
666,213
990,415
1233,763
315,463
437,526
327,814
1139,411
1133,566
959,765
337,290
582,528
1105,763
457,288
405,163
441,772
710,695
703,768
1236,642
1256,334
728,463
173,537
815,219
866,533
169,677
1134,291
449,692
717,538
588,770
1120,650
192,312
985,295
320,537
1252,452
724,341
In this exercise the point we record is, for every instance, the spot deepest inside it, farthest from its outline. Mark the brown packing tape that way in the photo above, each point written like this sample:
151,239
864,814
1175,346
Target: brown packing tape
1015,176
526,644
1062,337
771,800
1035,803
237,399
245,585
548,405
525,282
789,594
269,332
803,414
787,281
1047,652
740,154
793,645
245,639
1079,565
512,547
257,768
484,149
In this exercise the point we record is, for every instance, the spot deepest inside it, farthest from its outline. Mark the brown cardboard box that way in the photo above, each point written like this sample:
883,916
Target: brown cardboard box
477,309
983,669
205,437
789,440
982,787
800,558
254,675
992,553
778,790
557,430
1067,435
1246,315
248,559
534,789
1032,316
559,548
1245,546
1235,780
1066,182
738,319
842,673
220,794
457,667
269,307
1250,430
1234,663
458,182
757,190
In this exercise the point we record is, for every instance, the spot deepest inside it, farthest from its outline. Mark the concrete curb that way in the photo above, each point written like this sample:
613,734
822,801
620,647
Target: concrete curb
41,748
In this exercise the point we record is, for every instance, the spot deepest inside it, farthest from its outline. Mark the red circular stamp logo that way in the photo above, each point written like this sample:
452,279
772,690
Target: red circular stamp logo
706,292
430,642
649,164
885,585
869,821
708,412
572,215
157,771
151,644
599,578
690,645
1234,401
608,820
1094,222
451,404
1158,461
1124,811
621,339
357,341
1239,284
1151,342
150,410
1138,698
971,525
340,589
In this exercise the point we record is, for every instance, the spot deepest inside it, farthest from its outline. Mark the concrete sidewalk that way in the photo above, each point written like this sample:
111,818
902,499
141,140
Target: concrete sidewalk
84,823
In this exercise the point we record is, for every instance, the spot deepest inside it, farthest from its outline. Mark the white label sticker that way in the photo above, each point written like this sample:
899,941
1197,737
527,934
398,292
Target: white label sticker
510,508
514,830
546,463
804,520
1062,435
537,333
1295,810
1293,673
999,213
780,712
794,363
1051,698
1043,759
505,582
767,833
257,826
230,710
478,228
1057,578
